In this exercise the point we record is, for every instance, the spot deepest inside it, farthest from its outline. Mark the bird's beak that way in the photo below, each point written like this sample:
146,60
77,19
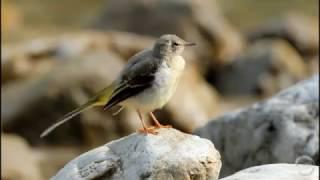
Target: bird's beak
189,44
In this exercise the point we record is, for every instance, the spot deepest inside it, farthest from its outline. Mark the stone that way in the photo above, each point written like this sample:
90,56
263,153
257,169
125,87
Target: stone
277,130
128,44
11,18
17,159
53,158
168,155
313,65
37,56
276,172
263,69
194,20
301,31
51,95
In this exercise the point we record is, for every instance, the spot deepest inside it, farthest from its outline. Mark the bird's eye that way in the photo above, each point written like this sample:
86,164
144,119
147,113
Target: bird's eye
176,44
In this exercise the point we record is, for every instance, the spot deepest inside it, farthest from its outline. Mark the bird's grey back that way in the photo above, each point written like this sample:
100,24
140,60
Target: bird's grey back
142,63
138,75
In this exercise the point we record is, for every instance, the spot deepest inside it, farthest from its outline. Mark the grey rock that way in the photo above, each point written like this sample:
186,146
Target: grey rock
263,69
168,155
304,92
198,21
301,31
277,172
276,130
313,65
37,56
18,159
52,94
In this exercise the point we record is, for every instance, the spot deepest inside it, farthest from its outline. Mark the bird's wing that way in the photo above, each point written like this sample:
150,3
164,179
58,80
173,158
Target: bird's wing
137,76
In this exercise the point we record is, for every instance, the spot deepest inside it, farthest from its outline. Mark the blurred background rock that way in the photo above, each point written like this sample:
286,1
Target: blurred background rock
56,54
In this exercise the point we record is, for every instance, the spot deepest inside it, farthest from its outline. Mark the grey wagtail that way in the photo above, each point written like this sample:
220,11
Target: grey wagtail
146,83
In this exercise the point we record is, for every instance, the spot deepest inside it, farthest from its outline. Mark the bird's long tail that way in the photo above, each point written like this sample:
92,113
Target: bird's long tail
99,100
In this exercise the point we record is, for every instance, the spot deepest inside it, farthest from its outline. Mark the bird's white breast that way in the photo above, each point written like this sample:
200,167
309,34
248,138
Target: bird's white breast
164,86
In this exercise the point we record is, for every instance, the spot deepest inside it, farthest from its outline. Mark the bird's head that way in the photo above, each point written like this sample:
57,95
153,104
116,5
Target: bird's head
170,45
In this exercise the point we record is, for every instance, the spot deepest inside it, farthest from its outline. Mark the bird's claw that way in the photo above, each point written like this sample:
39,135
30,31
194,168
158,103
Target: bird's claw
162,126
149,130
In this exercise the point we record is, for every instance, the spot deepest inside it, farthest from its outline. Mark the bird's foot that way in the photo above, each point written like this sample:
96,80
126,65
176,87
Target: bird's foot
158,126
148,130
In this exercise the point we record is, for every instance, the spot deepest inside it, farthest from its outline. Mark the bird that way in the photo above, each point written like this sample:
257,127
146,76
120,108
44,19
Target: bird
146,83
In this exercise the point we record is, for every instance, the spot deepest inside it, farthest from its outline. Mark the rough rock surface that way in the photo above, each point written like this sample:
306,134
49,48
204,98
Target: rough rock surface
277,130
168,155
66,86
194,20
17,159
266,67
302,32
277,172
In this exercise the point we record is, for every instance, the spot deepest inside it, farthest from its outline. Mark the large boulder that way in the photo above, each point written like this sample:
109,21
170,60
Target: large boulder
31,58
301,31
266,67
195,20
12,18
41,101
314,65
18,160
276,172
276,130
168,155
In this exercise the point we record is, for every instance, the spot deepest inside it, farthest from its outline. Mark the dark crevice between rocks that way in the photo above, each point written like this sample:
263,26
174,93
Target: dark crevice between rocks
43,54
145,175
107,174
69,133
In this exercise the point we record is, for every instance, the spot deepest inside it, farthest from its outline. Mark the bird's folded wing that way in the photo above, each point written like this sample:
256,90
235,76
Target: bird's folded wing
134,80
129,89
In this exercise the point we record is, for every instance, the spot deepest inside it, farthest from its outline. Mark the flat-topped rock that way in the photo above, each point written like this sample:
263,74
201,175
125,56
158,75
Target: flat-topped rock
277,130
277,172
169,155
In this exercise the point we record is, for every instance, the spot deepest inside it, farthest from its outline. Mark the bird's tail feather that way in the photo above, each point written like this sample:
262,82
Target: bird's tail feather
99,100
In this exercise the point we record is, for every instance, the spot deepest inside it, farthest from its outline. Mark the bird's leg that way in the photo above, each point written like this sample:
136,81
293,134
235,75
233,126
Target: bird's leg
146,130
157,123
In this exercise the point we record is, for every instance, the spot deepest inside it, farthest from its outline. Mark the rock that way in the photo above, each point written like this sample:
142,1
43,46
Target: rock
194,20
11,18
313,65
265,68
277,130
302,32
276,172
17,159
33,58
301,93
53,158
168,155
53,94
128,44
